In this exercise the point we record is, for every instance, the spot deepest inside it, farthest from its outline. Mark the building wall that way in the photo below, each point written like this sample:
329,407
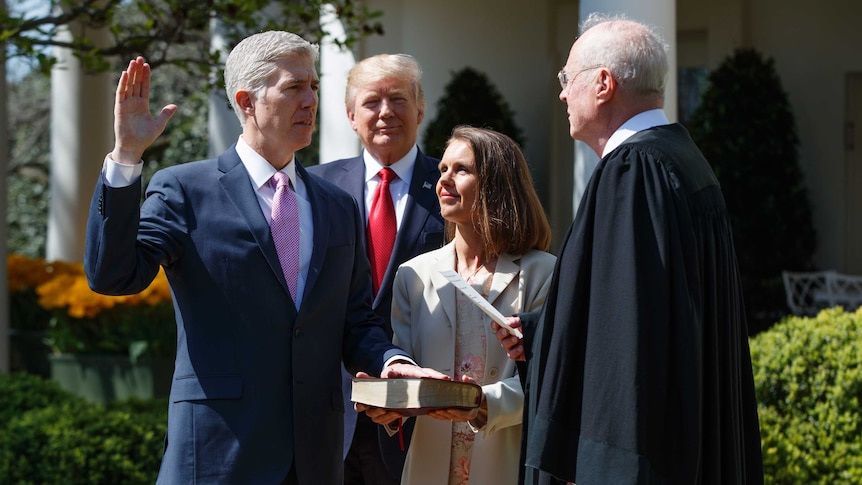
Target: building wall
814,48
521,44
721,24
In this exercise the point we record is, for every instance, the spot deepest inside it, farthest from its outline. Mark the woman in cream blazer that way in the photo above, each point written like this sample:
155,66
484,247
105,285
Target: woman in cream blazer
499,236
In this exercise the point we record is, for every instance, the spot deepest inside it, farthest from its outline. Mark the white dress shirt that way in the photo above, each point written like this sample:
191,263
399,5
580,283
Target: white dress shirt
398,188
638,122
260,172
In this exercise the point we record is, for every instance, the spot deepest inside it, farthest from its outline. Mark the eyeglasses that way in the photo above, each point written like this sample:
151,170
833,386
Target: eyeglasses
564,78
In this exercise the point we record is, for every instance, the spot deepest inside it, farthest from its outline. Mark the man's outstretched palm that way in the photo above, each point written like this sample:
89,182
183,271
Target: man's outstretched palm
134,127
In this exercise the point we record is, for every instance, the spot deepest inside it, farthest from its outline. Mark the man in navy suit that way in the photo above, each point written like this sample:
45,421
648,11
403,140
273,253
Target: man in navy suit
256,395
385,105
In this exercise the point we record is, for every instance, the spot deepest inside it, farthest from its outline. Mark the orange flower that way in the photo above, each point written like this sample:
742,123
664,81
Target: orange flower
64,285
57,298
27,273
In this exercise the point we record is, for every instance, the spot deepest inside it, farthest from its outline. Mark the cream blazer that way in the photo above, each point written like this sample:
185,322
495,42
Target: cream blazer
423,322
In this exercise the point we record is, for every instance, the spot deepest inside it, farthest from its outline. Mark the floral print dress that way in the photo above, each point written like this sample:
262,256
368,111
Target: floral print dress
470,350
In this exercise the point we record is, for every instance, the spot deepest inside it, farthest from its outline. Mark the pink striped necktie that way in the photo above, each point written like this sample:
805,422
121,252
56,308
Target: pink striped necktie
285,230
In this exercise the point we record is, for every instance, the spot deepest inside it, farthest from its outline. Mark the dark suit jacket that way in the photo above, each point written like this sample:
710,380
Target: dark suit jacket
421,225
257,385
421,231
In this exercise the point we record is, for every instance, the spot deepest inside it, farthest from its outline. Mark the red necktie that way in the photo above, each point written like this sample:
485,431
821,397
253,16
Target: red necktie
381,228
285,230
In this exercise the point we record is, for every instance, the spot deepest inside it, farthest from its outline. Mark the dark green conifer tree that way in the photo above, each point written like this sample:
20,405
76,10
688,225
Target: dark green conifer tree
469,99
746,129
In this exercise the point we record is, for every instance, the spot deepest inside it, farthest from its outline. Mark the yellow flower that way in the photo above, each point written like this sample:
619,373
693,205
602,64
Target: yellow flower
28,273
64,285
57,298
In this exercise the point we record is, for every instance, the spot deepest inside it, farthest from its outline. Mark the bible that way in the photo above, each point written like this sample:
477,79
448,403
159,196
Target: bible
415,396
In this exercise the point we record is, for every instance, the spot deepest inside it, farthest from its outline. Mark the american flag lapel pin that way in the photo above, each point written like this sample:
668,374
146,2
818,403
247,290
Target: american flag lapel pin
426,185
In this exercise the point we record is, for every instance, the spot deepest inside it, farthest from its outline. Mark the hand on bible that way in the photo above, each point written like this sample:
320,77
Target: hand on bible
385,416
459,415
403,369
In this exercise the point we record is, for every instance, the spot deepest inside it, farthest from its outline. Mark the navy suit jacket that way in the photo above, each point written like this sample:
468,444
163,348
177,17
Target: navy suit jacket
257,384
421,225
421,231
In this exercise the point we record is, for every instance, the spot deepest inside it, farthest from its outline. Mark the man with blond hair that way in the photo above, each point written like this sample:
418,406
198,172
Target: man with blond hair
385,105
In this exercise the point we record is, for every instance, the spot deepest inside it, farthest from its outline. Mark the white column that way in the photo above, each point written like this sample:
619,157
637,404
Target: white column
337,139
660,14
81,135
223,126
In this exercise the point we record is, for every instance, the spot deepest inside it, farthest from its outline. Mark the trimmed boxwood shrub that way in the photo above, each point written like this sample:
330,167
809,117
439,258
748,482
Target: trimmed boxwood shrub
808,378
22,392
70,441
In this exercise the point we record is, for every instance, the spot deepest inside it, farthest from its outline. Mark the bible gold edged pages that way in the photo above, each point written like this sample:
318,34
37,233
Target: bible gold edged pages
414,396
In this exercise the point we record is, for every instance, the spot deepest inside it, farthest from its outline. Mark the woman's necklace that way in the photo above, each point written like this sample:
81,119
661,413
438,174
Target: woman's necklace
478,268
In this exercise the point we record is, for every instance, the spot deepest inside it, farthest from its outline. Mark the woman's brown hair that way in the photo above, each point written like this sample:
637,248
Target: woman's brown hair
507,212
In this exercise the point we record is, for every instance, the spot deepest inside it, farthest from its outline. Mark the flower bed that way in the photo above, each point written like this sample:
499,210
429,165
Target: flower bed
54,298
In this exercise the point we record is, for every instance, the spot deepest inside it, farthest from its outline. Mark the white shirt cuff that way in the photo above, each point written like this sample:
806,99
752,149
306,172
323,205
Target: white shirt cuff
398,357
119,175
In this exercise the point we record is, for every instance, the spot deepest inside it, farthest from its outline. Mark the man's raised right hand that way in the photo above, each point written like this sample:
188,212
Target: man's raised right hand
135,129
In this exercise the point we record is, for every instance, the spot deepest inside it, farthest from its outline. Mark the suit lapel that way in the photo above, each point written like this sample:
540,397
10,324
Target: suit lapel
320,214
445,290
235,183
352,179
421,201
505,272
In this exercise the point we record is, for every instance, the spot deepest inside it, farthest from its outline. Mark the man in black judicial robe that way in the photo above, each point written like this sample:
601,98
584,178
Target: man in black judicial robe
637,369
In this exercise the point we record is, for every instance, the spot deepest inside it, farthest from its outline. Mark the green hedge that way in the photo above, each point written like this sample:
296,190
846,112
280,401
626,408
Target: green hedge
807,372
808,376
48,436
21,392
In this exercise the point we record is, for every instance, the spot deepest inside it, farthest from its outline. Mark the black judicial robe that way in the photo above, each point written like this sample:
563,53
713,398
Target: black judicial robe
638,367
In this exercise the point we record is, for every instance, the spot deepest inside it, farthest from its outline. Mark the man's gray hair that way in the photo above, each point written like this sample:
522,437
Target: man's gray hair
252,61
635,53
